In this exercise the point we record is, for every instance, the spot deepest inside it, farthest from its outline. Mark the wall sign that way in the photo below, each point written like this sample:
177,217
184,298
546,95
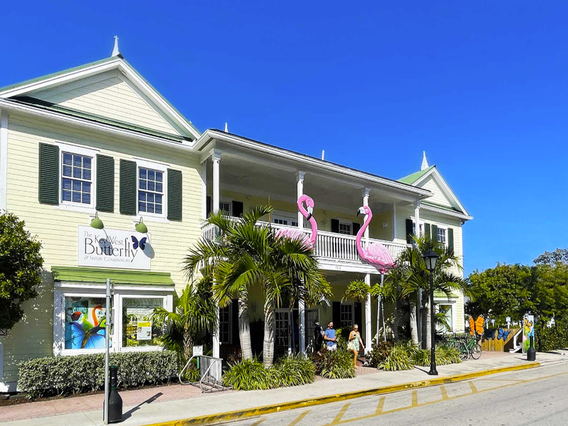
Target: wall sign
114,248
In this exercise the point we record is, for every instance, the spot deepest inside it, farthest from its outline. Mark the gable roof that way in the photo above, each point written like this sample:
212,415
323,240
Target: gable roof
410,179
60,78
422,177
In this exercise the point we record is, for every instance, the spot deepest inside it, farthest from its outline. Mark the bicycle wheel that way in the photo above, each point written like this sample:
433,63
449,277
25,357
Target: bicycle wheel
464,352
476,351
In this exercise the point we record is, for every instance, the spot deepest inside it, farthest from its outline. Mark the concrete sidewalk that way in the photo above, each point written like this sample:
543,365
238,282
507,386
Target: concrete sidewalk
166,403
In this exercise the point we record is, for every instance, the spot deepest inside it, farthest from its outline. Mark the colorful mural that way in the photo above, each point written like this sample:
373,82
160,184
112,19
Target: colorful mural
85,323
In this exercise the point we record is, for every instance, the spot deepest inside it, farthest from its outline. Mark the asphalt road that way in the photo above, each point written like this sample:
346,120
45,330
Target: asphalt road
531,397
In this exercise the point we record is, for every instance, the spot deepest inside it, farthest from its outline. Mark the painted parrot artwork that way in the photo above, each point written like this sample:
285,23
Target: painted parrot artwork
84,334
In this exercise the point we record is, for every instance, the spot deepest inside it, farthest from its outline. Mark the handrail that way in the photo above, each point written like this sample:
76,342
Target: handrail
205,378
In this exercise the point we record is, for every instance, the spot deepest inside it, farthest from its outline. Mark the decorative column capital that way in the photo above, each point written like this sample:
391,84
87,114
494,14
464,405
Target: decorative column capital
417,204
300,176
215,155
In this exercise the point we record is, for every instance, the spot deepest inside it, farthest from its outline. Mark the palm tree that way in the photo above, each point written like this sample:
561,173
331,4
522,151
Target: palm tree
195,312
248,255
416,276
230,247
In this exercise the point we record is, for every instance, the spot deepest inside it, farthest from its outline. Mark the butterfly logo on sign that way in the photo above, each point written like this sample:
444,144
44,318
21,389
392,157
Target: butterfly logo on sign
141,243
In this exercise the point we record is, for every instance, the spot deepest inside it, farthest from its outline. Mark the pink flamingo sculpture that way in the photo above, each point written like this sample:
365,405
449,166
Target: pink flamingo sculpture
296,234
377,255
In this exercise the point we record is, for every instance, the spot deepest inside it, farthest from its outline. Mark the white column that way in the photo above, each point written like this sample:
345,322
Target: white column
3,159
301,305
368,315
393,221
216,158
417,218
204,190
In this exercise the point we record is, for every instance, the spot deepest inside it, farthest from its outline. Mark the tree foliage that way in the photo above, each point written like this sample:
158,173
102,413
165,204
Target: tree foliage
20,269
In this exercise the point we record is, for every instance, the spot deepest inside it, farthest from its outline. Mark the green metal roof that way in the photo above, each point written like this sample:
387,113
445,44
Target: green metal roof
96,275
410,179
96,118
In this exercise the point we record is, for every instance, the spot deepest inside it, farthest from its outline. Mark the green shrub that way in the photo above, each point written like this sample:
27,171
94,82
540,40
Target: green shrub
336,364
252,375
65,375
549,339
444,355
379,352
398,359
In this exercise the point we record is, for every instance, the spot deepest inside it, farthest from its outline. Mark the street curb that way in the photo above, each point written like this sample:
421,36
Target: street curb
274,408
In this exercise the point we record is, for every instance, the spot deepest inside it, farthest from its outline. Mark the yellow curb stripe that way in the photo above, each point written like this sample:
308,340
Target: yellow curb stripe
292,405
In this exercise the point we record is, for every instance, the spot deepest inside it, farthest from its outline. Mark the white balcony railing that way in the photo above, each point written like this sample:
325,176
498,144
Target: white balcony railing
329,245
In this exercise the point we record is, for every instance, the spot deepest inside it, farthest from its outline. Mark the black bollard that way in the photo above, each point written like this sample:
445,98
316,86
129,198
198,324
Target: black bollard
531,353
114,399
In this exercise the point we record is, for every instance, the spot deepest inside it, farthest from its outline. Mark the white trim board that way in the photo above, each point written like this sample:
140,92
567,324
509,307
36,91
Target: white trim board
3,160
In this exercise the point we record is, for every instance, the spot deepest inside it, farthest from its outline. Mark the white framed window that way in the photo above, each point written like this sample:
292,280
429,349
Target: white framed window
80,319
442,232
226,207
421,227
346,315
77,171
284,218
345,228
151,189
448,307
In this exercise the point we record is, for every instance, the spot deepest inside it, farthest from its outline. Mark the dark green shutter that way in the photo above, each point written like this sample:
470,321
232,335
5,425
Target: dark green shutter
451,239
434,233
356,227
427,230
105,183
336,314
334,225
128,187
174,194
238,208
409,231
48,174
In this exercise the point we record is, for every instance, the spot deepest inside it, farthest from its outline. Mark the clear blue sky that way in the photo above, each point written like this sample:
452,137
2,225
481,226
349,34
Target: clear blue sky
482,86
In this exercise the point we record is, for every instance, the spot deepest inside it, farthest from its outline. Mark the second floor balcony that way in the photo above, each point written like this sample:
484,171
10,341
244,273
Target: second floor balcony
334,251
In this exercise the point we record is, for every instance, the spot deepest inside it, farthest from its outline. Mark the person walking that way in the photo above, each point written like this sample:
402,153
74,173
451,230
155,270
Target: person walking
355,343
329,337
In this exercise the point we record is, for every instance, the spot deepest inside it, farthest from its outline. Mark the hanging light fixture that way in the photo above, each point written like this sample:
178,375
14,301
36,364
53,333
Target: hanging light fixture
141,227
97,223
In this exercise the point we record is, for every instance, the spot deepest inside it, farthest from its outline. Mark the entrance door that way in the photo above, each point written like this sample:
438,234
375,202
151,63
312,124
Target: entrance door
312,315
282,338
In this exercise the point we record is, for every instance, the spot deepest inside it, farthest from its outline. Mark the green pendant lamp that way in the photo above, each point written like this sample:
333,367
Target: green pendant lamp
97,223
141,227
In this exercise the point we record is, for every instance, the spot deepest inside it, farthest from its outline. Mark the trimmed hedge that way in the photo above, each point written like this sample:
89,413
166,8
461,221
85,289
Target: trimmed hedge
67,375
336,364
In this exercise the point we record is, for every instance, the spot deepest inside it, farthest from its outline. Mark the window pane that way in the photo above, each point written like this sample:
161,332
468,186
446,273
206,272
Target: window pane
77,172
150,208
138,328
142,184
158,209
76,185
141,196
150,197
87,162
142,207
66,170
85,323
77,160
86,198
142,173
159,176
67,158
86,174
66,183
151,186
76,197
158,198
66,195
151,175
158,187
87,187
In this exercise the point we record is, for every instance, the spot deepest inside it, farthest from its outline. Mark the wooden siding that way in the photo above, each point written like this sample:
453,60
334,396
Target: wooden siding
438,198
109,95
56,228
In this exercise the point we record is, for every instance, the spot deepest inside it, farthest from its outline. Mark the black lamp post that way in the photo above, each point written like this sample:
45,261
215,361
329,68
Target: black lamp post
430,259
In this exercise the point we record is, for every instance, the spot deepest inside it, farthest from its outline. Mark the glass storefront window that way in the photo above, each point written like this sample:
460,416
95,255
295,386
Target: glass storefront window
137,326
85,322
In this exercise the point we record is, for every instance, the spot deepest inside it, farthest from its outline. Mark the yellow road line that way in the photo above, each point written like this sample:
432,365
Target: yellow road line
414,398
444,392
380,405
340,414
259,422
473,388
299,418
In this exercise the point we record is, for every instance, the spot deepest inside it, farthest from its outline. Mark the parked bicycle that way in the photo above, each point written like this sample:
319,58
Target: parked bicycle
468,347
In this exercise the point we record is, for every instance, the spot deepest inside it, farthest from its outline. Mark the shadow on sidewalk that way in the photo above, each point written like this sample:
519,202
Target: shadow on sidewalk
129,413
